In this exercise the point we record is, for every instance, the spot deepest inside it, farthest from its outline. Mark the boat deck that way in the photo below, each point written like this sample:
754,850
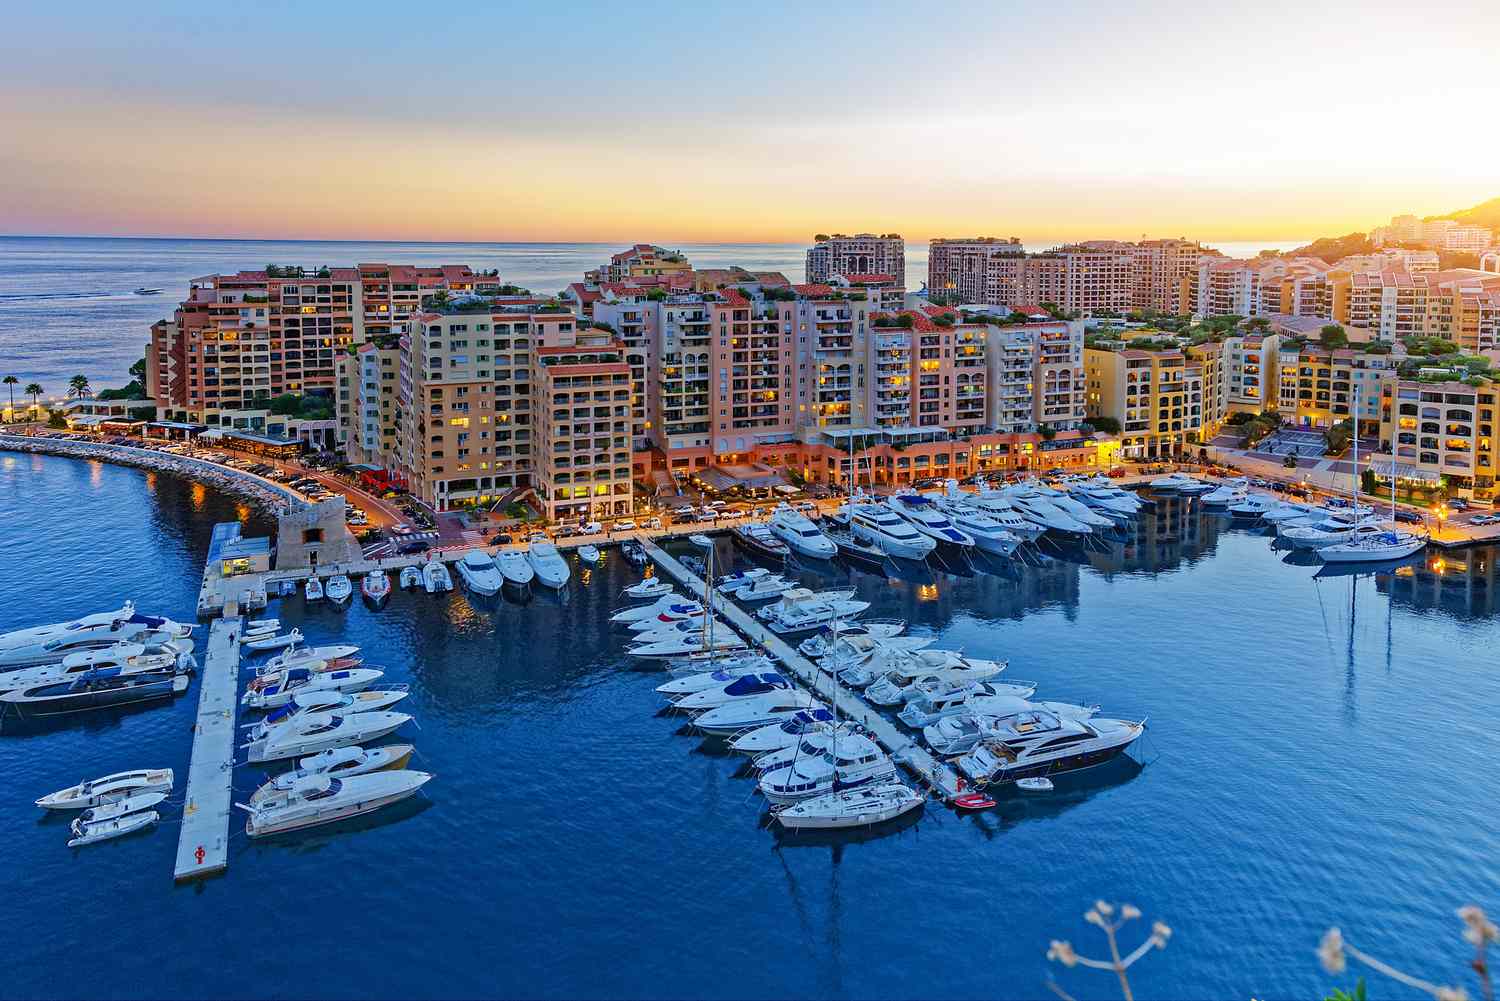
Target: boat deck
203,843
901,747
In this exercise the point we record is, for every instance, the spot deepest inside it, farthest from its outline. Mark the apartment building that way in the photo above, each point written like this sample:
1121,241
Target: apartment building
367,400
978,270
947,378
239,340
1164,274
1156,395
861,254
1440,234
1442,430
1036,376
643,260
1269,286
1250,372
1212,359
1318,388
885,294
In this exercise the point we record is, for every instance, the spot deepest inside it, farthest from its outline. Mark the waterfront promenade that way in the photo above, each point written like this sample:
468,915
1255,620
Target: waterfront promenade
203,839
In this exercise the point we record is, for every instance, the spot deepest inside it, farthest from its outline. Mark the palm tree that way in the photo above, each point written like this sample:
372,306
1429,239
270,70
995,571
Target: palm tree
34,390
10,381
78,386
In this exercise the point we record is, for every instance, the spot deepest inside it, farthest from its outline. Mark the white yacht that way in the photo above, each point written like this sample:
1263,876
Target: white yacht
318,702
514,568
1377,548
1093,517
50,644
690,684
323,799
691,642
766,588
435,577
925,672
1041,743
748,686
799,534
668,607
927,518
785,733
271,641
854,761
962,733
89,832
1179,483
479,573
376,587
858,807
338,763
308,734
410,578
129,658
108,789
800,610
709,661
732,582
1285,510
312,590
877,525
276,689
743,714
986,697
650,588
999,507
316,658
874,629
1330,532
1228,492
989,535
548,565
1098,492
1036,507
339,589
1254,507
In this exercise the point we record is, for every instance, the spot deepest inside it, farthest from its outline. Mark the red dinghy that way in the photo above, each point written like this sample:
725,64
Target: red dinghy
973,801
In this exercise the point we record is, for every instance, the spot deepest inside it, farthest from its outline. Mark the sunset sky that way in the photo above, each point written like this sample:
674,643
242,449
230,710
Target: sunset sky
577,121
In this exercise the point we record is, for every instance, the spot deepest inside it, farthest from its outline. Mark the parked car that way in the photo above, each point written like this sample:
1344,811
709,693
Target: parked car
651,523
623,525
411,548
1458,504
590,528
1410,517
499,539
1485,519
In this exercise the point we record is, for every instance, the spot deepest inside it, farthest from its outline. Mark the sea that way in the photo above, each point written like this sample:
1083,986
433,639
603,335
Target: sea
1320,750
67,304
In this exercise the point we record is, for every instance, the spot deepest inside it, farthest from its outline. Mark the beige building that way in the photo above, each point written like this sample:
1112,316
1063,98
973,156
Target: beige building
1441,430
1157,396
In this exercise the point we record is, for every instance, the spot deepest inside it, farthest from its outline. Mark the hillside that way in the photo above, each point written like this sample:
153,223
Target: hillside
1483,214
1334,248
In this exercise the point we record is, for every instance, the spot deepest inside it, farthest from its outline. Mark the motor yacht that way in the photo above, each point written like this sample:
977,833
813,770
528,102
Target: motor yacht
339,762
313,702
515,568
827,638
989,535
435,577
129,658
800,610
815,742
742,714
668,607
102,688
858,807
853,762
930,520
651,587
108,789
883,529
695,641
49,644
1253,507
1179,483
1330,531
710,661
375,587
1041,743
479,573
1285,510
276,689
773,736
690,684
548,565
799,534
1099,493
316,658
925,672
313,732
747,686
732,582
1228,492
961,733
588,553
766,588
267,642
323,799
339,589
761,540
988,697
410,579
1095,518
1040,509
997,506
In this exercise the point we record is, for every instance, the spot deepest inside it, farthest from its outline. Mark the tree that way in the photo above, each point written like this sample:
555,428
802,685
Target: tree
1290,462
138,370
78,387
1104,425
1047,431
10,382
286,405
1332,336
55,421
34,390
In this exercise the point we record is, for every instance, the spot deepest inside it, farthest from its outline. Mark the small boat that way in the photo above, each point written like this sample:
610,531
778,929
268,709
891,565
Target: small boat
689,642
634,552
319,702
339,589
731,582
436,578
323,799
122,807
262,625
743,687
102,830
701,541
666,609
822,644
690,683
743,714
376,587
1036,783
857,807
273,642
338,762
800,610
548,565
479,573
313,589
145,290
650,587
973,801
588,553
313,732
108,789
1376,548
515,568
785,733
766,588
410,579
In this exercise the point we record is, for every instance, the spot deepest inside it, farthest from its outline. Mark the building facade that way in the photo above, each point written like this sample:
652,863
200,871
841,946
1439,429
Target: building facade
862,254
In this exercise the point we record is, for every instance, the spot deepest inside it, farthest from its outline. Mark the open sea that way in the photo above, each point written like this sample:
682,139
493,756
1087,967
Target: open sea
1320,751
67,304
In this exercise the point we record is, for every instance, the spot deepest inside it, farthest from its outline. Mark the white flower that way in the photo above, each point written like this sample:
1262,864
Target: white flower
1161,934
1093,917
1103,908
1331,951
1478,930
1130,912
1451,994
1062,952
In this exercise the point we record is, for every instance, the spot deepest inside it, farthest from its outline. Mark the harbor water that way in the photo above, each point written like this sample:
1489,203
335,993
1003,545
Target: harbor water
1320,751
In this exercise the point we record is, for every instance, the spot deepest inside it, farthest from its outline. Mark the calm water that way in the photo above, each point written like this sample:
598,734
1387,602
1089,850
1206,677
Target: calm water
66,305
1319,751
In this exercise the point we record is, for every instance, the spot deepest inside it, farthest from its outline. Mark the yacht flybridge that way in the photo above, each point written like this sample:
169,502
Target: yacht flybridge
929,519
799,534
875,524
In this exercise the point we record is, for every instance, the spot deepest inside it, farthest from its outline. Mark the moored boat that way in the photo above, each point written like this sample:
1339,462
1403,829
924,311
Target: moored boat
108,789
858,807
324,799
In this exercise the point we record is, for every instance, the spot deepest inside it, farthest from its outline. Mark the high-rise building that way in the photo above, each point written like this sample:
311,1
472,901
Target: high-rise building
1156,395
861,254
1440,430
644,260
1439,234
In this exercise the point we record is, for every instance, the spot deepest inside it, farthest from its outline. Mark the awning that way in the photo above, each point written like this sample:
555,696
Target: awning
1384,466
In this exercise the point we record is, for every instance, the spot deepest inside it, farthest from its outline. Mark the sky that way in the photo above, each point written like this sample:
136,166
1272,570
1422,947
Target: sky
743,122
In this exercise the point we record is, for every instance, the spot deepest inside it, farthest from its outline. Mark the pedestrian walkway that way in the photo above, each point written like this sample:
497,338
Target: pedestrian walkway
203,839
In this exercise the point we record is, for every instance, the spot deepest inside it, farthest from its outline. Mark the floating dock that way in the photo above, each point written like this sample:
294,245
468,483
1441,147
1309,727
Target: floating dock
203,843
902,748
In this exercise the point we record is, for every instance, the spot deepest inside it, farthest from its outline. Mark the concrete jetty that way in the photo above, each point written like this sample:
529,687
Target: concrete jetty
203,841
901,747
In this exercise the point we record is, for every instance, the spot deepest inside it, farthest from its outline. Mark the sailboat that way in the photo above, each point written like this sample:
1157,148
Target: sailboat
1379,547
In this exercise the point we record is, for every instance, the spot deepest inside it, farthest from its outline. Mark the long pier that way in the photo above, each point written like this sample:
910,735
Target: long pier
203,842
902,748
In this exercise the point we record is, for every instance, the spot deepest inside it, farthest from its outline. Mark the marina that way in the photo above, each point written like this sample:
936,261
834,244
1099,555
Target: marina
1093,627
